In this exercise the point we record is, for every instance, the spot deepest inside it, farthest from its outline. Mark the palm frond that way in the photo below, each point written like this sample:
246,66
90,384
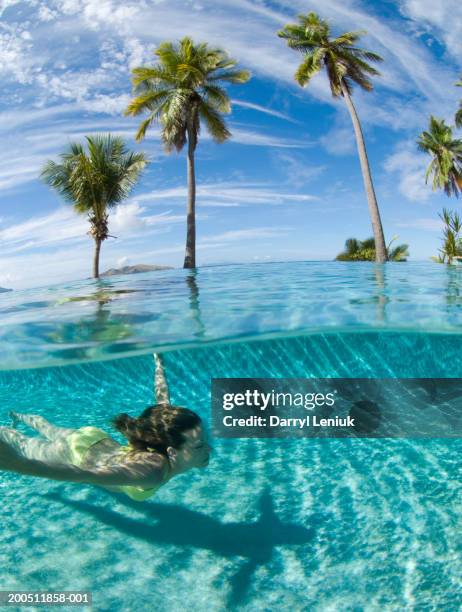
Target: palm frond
229,76
445,167
143,128
348,38
151,101
186,77
217,97
96,178
458,117
214,122
310,66
346,63
148,78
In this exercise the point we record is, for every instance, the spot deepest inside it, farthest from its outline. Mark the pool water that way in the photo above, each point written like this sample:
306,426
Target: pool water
270,524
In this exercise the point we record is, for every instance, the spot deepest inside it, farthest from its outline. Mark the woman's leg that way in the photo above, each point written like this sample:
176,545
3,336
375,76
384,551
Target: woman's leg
36,448
161,393
40,424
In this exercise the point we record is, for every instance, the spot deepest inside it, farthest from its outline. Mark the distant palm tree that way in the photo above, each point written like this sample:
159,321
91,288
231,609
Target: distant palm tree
458,117
346,65
95,181
364,250
181,90
452,241
446,152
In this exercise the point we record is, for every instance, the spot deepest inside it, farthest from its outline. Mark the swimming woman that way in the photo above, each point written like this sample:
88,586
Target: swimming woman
164,441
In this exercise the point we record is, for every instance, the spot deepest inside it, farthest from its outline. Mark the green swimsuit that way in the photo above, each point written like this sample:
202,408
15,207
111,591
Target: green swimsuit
80,442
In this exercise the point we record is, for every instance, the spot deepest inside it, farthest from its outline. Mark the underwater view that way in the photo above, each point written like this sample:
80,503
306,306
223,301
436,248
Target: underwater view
231,305
304,524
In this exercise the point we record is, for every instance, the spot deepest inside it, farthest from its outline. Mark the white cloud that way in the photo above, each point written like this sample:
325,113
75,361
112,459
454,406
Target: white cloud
249,137
339,140
253,233
127,219
63,264
17,61
59,241
4,4
132,37
111,105
61,225
426,224
225,193
46,14
12,119
18,171
49,134
298,171
103,13
96,13
409,166
263,109
443,18
76,85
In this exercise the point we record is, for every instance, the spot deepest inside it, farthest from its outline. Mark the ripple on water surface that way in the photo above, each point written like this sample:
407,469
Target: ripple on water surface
171,309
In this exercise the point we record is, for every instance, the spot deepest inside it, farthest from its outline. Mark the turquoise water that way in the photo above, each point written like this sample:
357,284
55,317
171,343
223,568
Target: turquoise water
272,524
171,309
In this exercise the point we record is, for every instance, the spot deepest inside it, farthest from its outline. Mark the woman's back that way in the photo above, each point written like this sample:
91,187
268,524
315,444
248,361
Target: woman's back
108,452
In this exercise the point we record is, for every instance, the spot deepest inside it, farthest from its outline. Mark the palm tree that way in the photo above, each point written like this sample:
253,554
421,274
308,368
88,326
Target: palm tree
452,241
346,65
446,152
364,250
181,90
458,117
95,181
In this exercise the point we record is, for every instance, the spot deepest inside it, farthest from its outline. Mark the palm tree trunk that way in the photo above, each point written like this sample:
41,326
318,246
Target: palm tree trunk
380,248
190,252
96,258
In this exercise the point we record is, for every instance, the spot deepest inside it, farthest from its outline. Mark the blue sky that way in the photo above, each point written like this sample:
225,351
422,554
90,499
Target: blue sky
286,187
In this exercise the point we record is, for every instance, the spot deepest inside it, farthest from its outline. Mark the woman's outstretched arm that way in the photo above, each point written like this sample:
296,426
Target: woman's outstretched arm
161,392
147,473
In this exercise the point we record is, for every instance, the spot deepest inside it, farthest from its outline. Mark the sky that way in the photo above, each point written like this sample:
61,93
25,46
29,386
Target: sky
286,186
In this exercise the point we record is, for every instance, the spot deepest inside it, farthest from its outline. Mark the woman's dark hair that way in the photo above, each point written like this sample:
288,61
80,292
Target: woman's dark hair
157,428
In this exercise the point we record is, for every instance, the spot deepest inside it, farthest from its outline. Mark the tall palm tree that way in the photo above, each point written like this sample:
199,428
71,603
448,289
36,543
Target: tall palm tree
182,89
346,65
95,181
446,152
458,118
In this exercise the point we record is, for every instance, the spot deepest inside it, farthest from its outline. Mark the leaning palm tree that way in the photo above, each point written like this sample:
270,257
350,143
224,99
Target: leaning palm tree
346,65
446,152
181,90
95,181
458,117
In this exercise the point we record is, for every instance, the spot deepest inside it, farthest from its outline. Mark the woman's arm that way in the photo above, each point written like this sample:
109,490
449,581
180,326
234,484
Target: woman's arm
148,473
161,392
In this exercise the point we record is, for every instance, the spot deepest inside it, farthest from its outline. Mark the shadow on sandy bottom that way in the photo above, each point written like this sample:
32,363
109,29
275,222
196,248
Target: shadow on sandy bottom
179,526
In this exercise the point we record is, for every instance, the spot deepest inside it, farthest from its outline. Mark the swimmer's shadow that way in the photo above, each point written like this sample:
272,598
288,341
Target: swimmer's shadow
180,526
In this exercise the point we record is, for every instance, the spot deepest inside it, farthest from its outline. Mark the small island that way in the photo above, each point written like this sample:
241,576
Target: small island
137,269
3,290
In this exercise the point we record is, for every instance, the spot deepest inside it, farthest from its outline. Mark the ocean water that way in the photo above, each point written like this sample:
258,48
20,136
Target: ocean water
270,524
